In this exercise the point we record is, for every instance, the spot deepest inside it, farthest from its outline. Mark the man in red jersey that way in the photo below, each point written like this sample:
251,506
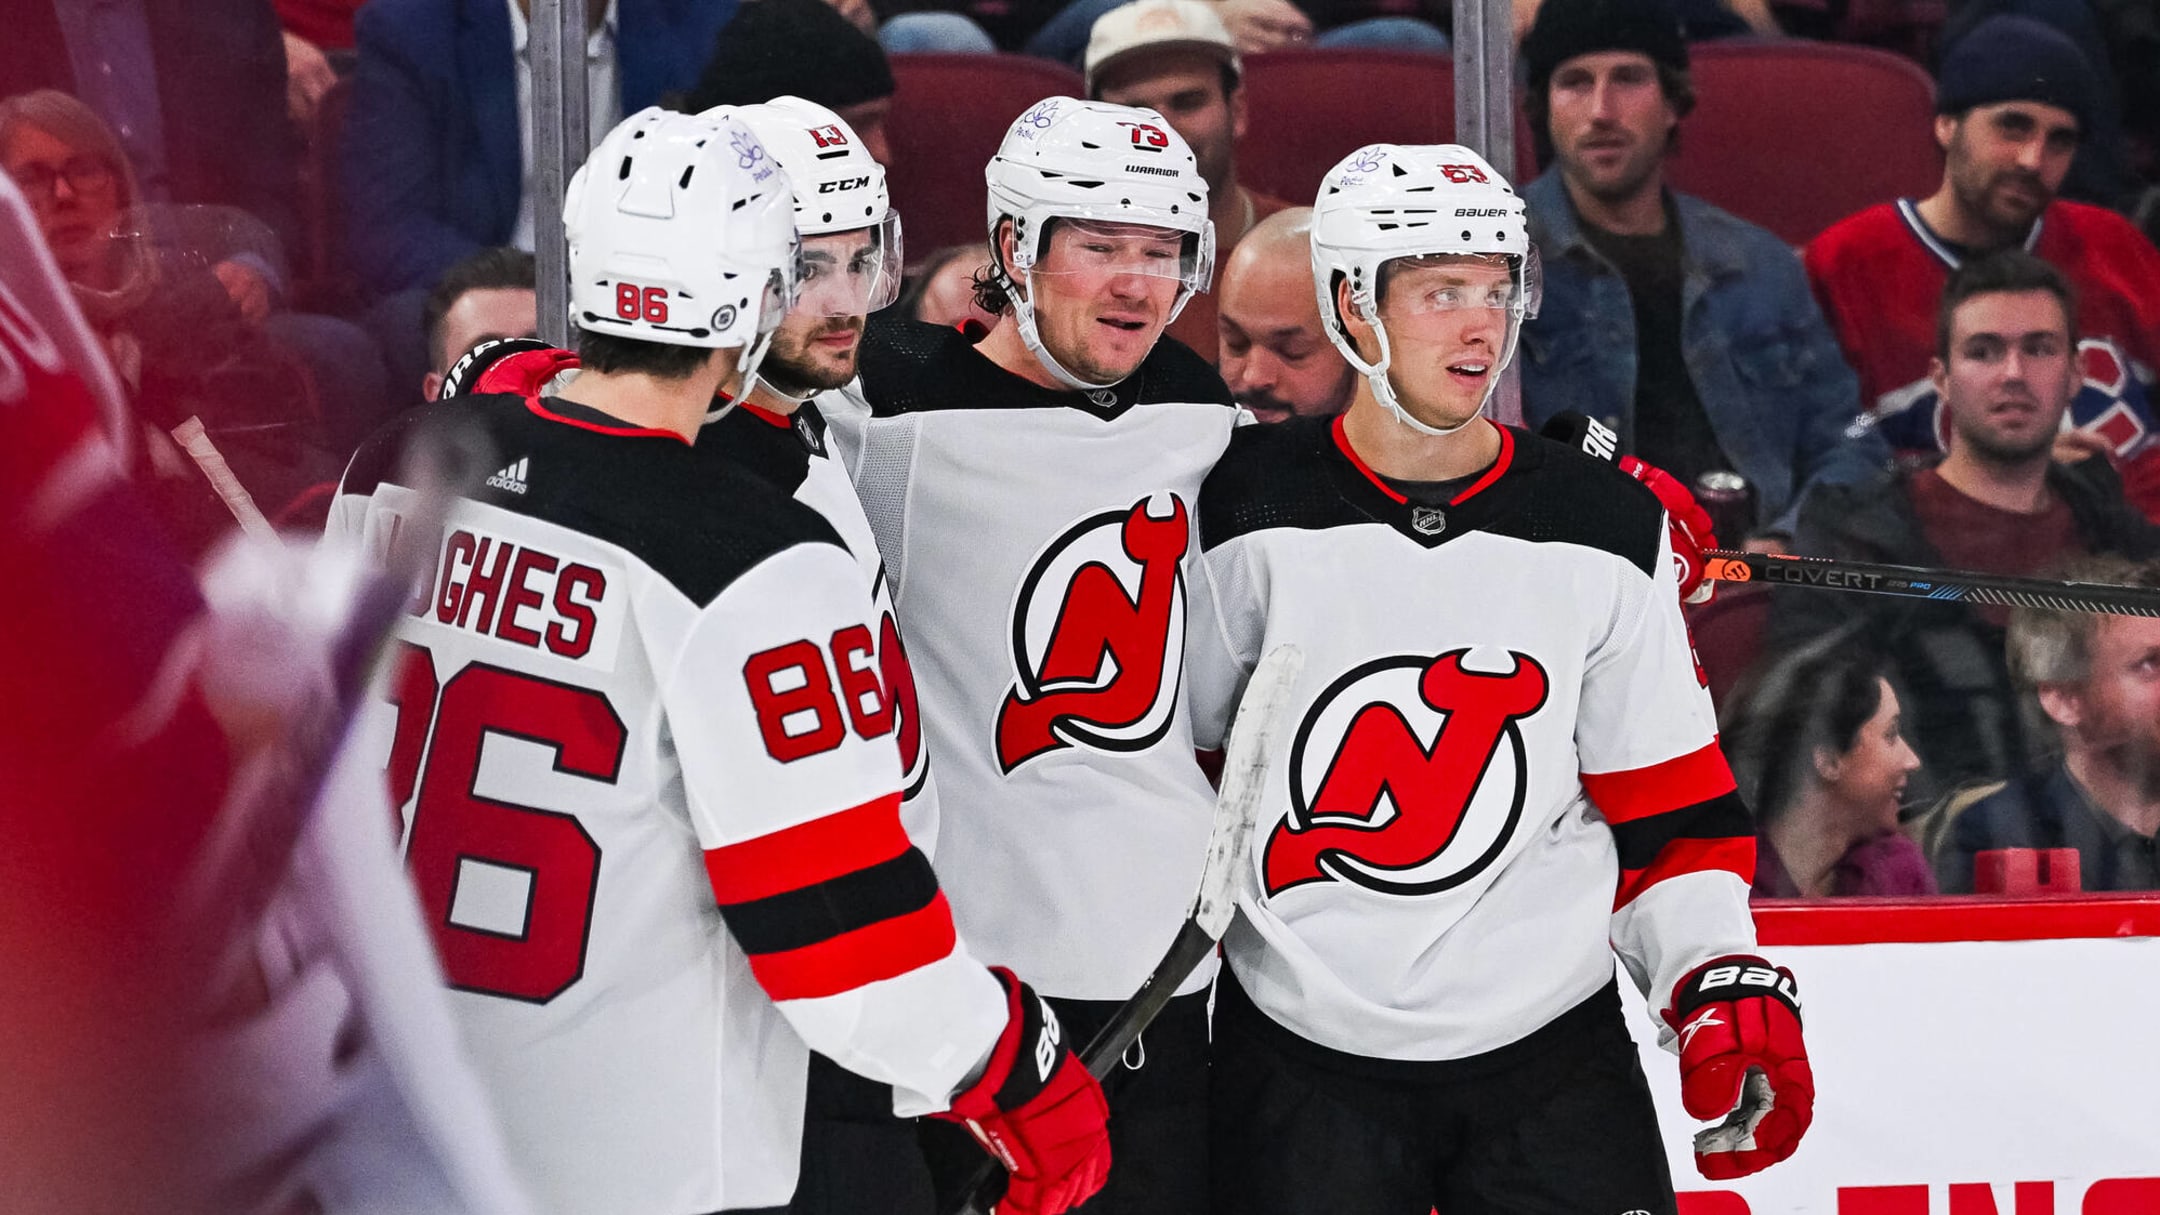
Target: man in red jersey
2014,99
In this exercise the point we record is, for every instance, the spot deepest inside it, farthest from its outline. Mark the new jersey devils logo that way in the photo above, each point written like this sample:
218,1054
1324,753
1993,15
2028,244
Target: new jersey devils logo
1398,779
899,680
1098,633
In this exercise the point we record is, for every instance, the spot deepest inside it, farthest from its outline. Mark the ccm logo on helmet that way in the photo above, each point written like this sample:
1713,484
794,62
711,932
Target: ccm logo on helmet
850,183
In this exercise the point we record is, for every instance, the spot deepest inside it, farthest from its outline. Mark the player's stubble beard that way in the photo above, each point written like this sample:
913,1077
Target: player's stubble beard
797,367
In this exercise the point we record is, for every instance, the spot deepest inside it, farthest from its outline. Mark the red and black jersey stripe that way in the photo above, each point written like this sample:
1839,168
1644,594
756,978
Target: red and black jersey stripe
1673,818
830,905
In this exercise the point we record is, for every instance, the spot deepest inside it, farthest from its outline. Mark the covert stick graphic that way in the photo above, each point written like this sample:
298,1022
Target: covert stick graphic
1914,582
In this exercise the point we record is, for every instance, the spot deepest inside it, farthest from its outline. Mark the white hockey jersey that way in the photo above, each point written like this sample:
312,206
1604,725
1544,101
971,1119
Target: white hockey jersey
1040,547
1504,766
794,454
652,805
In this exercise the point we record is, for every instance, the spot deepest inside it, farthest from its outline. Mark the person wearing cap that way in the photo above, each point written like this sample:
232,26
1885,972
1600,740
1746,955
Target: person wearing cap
1276,358
1686,330
806,49
2014,99
1175,57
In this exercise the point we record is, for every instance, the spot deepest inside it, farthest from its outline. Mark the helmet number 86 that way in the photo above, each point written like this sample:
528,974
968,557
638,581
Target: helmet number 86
633,302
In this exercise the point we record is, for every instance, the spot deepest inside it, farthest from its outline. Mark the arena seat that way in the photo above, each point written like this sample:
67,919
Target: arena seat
949,113
1797,135
1728,635
1306,110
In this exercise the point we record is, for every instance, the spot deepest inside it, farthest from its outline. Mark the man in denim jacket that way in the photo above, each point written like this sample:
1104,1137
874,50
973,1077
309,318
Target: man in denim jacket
1687,330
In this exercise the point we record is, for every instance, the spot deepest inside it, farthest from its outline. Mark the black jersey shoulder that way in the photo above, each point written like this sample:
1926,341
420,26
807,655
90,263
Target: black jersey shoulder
774,452
1567,497
913,367
1274,475
1294,475
699,522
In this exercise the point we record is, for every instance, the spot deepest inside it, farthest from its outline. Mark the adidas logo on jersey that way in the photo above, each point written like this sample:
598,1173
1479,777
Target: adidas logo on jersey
511,478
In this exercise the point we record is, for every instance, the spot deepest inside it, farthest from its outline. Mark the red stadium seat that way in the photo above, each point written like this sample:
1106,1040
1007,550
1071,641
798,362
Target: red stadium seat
1308,109
949,114
1728,635
1797,135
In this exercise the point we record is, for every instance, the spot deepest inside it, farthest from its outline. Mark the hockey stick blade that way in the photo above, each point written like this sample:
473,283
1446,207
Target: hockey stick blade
1244,776
1913,582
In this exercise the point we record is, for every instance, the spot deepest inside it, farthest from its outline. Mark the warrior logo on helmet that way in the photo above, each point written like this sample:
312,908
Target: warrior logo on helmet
1408,775
1098,632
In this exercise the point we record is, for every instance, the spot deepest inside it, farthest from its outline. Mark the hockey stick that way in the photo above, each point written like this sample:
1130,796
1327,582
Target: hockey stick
1245,765
1588,436
1912,582
252,845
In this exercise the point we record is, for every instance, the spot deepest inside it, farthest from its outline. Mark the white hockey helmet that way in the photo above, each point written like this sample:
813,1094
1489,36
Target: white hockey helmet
682,231
839,187
1386,202
1090,160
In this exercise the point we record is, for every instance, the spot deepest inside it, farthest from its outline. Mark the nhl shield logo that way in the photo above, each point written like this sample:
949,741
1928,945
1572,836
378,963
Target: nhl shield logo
1098,636
1428,520
1408,775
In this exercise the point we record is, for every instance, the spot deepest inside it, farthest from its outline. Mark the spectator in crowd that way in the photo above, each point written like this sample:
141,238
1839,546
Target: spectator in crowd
2099,172
1688,331
1997,503
232,412
2012,100
1819,751
324,24
195,90
1276,359
800,48
941,291
1174,57
487,296
438,144
1259,26
2093,682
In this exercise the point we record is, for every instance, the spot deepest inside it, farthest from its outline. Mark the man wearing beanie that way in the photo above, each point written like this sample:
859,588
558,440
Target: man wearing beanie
2013,99
806,49
1687,330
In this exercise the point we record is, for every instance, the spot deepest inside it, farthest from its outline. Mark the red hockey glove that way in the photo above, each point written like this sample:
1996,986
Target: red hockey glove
1689,525
1741,1056
518,366
1038,1111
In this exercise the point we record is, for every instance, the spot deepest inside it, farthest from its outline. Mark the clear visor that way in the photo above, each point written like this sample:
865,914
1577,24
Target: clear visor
779,297
852,273
1107,250
1438,297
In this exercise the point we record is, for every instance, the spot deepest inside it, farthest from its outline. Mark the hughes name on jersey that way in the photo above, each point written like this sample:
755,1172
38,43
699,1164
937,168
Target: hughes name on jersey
1039,545
796,454
1503,767
1880,274
652,813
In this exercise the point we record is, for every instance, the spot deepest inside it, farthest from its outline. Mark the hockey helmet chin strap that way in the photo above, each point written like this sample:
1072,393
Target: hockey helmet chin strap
1023,306
1376,373
753,354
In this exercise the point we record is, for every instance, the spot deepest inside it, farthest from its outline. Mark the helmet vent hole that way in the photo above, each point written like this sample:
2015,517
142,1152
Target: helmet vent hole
622,172
1092,147
684,183
739,204
1400,171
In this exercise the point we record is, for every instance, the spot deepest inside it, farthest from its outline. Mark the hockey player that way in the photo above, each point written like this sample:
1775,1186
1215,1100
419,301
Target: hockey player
651,789
857,1156
1504,760
1033,497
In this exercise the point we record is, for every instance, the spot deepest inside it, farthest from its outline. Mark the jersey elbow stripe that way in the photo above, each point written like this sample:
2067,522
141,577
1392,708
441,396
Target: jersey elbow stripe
871,954
1735,855
808,853
1643,840
1636,793
799,919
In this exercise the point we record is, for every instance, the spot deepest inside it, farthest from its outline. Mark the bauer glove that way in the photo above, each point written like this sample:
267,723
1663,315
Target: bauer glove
1037,1110
1741,1056
1688,523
